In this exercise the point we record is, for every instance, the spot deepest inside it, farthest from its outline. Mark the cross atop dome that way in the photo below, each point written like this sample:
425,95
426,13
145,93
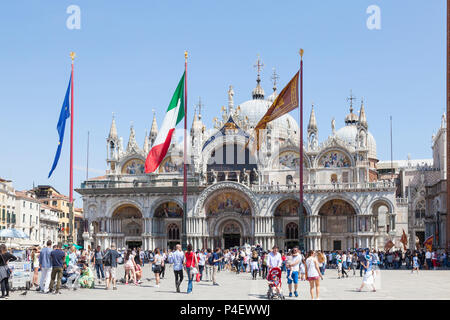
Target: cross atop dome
274,78
259,66
351,98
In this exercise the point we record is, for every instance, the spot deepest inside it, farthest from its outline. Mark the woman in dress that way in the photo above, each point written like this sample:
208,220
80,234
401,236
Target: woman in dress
35,263
313,274
416,265
87,277
302,269
368,278
191,263
157,266
130,267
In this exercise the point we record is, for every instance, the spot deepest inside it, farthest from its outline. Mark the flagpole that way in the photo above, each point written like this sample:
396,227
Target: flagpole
300,209
184,233
70,236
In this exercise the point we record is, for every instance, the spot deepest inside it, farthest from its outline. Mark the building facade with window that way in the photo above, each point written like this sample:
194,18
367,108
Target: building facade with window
7,205
236,196
28,209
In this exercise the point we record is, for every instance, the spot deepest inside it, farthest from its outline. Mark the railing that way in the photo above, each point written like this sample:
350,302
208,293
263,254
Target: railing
402,201
331,187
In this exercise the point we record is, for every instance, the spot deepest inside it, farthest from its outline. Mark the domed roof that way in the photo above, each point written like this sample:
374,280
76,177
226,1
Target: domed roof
255,110
348,134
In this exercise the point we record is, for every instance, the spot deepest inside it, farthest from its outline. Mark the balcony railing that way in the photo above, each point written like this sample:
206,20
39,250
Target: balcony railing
194,181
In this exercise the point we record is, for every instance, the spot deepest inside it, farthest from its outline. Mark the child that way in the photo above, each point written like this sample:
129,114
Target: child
339,268
275,285
415,263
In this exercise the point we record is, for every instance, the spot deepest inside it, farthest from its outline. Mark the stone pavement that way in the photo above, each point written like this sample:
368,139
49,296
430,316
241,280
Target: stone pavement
391,284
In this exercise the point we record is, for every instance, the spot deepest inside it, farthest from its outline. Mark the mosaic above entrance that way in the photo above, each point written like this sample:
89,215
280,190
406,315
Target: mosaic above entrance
334,159
227,201
168,210
337,207
133,166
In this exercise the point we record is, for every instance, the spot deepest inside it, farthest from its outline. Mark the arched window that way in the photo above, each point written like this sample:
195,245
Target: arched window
291,231
420,209
173,232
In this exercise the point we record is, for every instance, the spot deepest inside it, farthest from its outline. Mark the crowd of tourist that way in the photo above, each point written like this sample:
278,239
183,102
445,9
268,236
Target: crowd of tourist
72,268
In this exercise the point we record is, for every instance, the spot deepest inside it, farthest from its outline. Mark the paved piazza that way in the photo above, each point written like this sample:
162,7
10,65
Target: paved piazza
391,284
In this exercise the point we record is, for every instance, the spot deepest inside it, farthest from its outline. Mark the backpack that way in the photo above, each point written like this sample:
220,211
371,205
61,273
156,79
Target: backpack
211,259
107,259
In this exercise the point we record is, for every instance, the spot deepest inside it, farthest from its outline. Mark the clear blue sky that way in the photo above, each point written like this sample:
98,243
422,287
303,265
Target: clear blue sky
130,58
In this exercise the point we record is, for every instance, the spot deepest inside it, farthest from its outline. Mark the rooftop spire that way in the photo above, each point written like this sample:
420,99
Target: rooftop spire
132,144
113,130
146,147
362,115
312,125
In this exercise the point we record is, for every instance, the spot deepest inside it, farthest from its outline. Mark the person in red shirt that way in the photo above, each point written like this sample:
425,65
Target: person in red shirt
191,264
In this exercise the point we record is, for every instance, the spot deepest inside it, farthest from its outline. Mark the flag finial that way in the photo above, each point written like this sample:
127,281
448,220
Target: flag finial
185,55
72,55
301,52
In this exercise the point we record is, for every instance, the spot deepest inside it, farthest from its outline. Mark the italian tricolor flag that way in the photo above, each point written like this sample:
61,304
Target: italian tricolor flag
174,114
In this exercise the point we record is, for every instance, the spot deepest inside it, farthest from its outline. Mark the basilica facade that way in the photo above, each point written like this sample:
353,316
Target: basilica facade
236,196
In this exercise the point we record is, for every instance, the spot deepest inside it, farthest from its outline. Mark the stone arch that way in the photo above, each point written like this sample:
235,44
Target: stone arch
334,148
220,223
124,202
353,203
199,209
277,203
377,203
161,201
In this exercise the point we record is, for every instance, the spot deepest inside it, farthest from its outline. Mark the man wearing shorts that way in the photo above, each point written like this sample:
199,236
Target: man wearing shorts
293,269
110,261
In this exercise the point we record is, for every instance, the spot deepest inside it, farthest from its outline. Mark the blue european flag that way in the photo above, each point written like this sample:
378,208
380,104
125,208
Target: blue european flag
61,126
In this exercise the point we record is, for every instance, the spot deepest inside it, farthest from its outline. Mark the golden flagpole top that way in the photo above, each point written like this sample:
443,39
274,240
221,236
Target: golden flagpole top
301,52
72,55
185,55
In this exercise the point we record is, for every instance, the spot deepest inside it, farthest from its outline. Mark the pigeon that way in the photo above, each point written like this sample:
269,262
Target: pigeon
24,293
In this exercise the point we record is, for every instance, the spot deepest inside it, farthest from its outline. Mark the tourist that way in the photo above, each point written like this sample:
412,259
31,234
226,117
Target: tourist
216,261
73,272
141,256
57,256
274,258
254,264
35,267
5,272
264,265
177,259
45,264
322,262
138,272
190,263
313,274
87,277
293,267
415,263
369,273
434,259
428,259
98,262
110,261
201,257
157,266
130,267
72,258
209,264
163,265
354,263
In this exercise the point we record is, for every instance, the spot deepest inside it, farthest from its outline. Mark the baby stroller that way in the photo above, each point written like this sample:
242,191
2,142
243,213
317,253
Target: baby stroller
274,282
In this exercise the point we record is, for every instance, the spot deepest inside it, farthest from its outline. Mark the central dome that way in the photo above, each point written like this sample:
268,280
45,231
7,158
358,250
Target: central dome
256,109
349,133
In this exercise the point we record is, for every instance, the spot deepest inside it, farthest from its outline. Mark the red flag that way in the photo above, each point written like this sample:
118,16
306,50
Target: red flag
388,246
429,243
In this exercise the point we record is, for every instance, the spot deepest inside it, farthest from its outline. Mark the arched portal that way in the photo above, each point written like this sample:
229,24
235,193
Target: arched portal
285,219
231,233
337,223
129,220
167,220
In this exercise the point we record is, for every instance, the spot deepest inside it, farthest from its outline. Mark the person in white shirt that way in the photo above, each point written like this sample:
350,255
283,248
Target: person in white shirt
274,258
428,259
313,274
293,266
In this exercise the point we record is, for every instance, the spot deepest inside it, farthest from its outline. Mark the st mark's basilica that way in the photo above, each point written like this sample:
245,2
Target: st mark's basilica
236,197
